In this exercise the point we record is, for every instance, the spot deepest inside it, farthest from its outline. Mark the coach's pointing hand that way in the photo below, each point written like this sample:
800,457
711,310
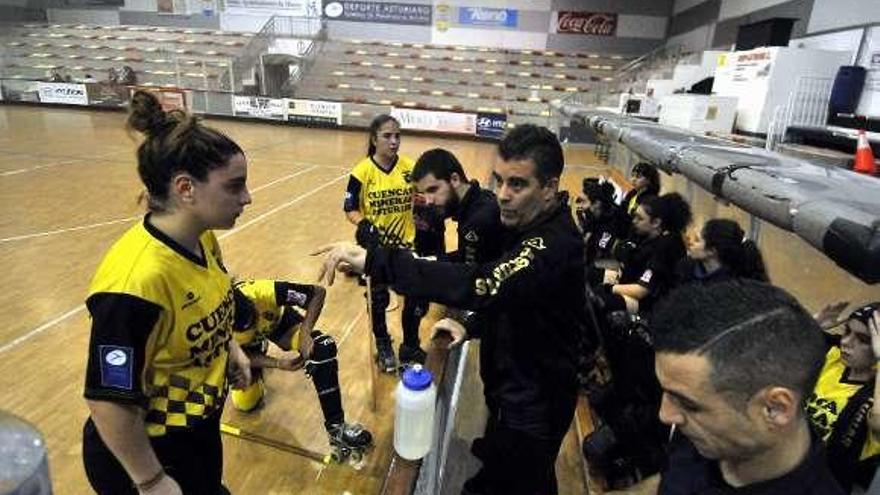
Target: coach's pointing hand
340,256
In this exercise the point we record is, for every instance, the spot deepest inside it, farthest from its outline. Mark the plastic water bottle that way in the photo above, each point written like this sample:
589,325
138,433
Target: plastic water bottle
24,468
414,416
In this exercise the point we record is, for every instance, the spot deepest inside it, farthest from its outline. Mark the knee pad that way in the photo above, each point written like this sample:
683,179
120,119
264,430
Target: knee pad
249,398
324,347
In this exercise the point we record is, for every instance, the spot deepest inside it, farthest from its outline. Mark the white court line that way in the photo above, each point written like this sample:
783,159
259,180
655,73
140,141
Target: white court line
55,164
280,207
282,179
15,342
121,220
69,229
348,328
49,324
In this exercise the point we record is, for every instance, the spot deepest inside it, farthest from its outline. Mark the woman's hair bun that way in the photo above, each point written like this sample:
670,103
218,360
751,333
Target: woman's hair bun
146,114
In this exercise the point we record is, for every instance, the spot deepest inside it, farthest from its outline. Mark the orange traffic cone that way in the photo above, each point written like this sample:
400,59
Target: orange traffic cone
864,163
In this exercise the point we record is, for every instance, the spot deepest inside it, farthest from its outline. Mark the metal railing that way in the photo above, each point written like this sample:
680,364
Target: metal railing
276,27
807,105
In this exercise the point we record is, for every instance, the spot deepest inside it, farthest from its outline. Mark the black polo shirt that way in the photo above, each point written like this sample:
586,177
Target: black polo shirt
689,473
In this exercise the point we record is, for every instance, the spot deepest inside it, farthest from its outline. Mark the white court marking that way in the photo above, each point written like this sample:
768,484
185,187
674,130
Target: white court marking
64,316
121,220
62,162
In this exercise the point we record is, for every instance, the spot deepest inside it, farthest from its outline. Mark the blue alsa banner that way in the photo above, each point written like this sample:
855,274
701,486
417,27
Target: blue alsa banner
484,16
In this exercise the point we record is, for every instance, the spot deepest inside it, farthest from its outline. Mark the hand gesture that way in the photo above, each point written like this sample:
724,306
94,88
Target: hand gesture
829,316
340,256
455,329
874,329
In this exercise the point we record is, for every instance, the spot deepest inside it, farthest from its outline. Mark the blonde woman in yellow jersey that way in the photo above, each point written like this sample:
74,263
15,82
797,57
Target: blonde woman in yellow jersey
161,352
285,314
379,201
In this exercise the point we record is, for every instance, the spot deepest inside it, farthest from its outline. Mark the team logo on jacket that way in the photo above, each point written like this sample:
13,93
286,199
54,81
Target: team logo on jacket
472,236
535,243
646,277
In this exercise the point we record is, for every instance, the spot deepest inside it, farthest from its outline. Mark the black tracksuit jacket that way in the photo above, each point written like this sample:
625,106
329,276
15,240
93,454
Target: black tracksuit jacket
530,303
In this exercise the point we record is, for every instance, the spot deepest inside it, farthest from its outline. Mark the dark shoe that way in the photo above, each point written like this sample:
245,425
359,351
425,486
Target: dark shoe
385,356
411,355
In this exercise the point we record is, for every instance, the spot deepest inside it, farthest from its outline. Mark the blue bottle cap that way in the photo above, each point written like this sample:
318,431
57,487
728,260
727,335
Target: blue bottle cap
417,378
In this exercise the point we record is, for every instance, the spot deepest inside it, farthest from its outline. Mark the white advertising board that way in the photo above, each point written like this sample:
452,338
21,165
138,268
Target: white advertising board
314,112
442,122
260,107
66,93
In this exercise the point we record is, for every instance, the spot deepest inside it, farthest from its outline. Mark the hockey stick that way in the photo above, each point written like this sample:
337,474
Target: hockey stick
373,353
270,442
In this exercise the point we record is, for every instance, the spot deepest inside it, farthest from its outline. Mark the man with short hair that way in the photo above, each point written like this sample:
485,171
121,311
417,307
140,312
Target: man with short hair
736,361
531,306
440,179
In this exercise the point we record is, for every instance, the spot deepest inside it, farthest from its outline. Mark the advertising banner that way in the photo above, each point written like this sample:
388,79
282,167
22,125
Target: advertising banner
314,112
491,125
594,23
442,122
66,93
390,13
259,107
485,16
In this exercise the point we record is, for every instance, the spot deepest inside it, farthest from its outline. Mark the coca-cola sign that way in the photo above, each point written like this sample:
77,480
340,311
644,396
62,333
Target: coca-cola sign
595,23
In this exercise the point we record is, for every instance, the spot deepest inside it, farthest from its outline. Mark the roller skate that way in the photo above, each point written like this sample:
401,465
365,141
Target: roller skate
385,356
348,443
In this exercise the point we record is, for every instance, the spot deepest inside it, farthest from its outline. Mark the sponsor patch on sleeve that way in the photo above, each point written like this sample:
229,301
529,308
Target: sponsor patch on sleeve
296,297
116,366
646,277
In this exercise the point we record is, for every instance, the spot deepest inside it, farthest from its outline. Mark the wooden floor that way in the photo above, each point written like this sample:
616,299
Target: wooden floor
69,188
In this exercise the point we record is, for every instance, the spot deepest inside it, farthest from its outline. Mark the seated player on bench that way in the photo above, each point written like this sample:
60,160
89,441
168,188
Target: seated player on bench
269,310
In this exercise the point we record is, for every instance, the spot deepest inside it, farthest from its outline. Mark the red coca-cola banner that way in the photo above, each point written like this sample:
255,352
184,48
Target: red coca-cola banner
595,23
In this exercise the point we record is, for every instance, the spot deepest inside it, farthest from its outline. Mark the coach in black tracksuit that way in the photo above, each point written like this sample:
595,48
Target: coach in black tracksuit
530,303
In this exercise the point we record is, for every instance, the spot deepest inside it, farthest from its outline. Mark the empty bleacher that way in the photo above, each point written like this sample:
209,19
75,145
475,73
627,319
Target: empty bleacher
519,83
160,56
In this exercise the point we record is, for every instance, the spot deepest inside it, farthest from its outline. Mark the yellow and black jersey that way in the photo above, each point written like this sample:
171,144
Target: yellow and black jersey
832,392
269,310
385,199
161,323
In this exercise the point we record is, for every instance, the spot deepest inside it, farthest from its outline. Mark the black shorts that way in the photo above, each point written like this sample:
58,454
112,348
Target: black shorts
193,457
514,463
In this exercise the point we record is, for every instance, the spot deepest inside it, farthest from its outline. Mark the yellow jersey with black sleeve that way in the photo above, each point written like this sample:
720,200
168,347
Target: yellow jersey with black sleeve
161,324
832,392
270,310
385,199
